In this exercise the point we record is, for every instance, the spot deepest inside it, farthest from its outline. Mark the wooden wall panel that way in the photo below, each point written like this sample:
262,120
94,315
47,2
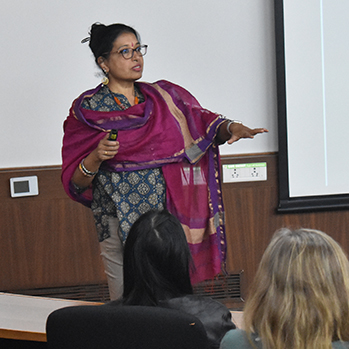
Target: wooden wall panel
248,208
46,240
251,218
50,241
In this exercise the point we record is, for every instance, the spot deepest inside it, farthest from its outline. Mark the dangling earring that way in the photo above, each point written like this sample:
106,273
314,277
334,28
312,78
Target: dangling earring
105,80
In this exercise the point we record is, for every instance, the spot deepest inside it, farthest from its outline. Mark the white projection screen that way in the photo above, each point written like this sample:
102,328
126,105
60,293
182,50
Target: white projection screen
312,52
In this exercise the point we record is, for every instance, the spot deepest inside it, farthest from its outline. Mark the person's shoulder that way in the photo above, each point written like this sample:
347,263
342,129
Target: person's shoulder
115,303
169,84
177,92
214,315
340,345
206,309
235,334
164,84
158,82
200,301
236,339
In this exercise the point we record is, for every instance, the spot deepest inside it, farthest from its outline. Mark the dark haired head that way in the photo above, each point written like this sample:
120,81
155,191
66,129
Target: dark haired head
103,36
156,260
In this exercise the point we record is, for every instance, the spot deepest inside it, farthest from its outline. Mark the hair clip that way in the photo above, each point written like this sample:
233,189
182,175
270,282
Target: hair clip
85,40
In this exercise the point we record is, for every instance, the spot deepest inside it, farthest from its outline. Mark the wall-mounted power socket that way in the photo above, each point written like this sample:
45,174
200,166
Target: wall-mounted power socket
245,172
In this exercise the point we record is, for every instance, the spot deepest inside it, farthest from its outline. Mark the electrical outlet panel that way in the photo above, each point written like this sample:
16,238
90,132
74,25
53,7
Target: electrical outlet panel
245,172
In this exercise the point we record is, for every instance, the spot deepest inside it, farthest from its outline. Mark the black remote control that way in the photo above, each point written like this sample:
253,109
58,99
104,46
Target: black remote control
113,135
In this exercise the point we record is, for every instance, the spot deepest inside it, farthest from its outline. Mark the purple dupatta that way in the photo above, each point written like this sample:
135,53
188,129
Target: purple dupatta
170,130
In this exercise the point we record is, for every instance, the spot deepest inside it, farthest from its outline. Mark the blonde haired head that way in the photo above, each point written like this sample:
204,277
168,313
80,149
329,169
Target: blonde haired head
300,296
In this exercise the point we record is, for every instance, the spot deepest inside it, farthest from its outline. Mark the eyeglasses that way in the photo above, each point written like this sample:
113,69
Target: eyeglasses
128,53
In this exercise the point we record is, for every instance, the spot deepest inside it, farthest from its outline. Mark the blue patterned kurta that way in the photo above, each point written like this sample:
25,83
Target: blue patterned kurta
125,195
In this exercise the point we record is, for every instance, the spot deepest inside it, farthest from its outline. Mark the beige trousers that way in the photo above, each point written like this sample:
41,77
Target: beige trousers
112,256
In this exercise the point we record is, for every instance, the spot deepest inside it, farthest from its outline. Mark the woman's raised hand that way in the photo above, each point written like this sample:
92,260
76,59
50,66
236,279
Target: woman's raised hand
241,131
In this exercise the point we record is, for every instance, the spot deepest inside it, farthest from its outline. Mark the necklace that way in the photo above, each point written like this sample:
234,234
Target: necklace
119,103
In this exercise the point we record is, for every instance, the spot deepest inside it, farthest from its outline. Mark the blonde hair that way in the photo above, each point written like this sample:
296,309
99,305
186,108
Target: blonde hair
300,295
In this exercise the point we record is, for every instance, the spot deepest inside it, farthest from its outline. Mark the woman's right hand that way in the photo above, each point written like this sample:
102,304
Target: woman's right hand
105,150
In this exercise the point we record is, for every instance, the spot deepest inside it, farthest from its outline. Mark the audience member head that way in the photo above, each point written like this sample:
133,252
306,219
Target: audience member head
300,295
157,260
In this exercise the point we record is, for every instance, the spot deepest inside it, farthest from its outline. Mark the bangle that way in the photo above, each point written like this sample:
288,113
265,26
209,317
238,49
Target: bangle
230,123
78,190
85,171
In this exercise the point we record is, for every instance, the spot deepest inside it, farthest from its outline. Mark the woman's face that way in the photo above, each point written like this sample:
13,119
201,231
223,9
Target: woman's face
121,70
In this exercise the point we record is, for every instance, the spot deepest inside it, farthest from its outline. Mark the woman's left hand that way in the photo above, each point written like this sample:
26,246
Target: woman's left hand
241,131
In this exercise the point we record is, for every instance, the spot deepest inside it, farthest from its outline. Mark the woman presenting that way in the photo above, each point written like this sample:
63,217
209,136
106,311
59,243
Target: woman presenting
165,155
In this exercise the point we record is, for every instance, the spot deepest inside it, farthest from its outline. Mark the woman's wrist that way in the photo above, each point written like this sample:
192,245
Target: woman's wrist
85,171
78,189
92,162
232,122
225,131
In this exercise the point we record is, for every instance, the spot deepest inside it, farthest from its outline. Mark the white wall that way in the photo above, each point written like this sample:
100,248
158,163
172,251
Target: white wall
220,50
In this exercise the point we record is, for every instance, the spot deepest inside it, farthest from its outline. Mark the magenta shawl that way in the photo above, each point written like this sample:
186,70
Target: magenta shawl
169,130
